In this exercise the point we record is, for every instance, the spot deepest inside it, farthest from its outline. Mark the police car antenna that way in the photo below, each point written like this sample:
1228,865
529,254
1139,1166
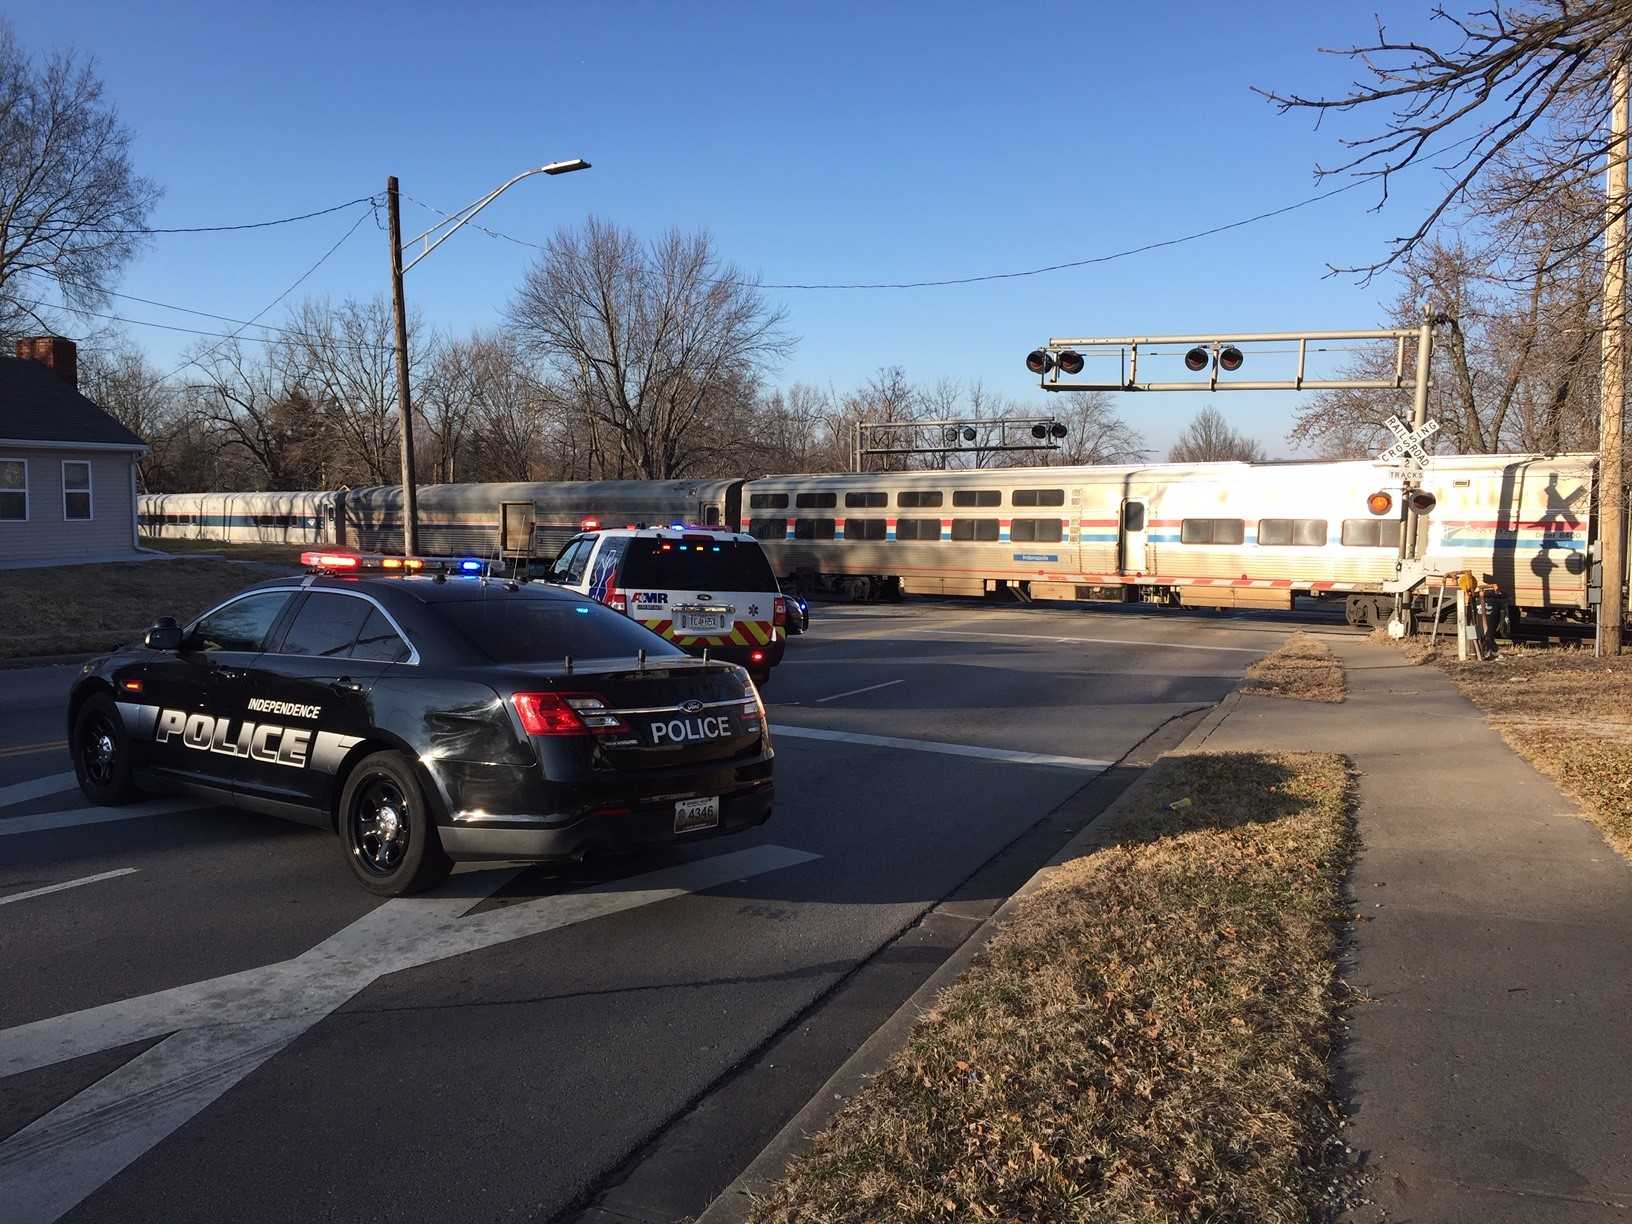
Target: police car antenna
569,664
642,654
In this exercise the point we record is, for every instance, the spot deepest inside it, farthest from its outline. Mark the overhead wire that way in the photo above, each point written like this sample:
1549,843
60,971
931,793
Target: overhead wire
227,229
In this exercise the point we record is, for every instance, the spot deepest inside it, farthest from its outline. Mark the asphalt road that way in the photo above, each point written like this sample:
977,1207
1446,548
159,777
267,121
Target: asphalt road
205,1018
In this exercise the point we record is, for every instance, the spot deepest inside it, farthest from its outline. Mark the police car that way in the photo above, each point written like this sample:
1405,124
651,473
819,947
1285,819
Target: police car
428,717
702,588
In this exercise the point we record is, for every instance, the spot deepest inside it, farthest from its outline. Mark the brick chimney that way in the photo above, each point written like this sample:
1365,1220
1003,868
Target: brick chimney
53,352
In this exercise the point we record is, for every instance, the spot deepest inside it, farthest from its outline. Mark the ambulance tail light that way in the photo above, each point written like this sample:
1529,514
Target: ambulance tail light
780,613
756,656
330,560
618,602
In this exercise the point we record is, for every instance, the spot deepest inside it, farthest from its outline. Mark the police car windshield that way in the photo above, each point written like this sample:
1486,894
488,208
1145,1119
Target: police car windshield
696,565
523,630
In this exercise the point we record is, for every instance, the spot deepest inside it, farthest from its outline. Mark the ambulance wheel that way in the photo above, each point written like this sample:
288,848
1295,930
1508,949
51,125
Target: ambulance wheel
760,679
101,751
387,830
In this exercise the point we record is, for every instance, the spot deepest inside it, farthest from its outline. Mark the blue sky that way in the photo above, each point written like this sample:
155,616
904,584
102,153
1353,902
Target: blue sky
831,142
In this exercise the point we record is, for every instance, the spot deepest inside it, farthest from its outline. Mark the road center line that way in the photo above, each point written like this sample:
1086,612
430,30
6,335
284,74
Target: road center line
36,788
47,822
853,692
52,888
1044,637
222,1029
22,750
1005,755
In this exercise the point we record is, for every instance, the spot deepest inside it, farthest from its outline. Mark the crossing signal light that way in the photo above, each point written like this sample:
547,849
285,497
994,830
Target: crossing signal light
1039,362
968,433
1057,430
1229,358
1070,362
1421,501
1380,502
1196,359
951,436
1039,431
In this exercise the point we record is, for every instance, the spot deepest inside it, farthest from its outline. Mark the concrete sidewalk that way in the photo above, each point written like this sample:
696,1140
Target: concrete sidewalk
1490,1070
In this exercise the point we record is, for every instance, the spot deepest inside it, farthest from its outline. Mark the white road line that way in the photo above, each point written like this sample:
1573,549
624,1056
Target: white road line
1006,755
221,1030
52,888
36,788
853,692
1045,637
46,822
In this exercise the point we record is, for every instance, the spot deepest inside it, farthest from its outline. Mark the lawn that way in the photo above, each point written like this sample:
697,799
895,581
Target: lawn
1150,1039
1303,668
74,609
278,553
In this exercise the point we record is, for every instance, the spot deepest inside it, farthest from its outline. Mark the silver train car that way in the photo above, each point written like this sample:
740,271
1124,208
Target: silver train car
1213,534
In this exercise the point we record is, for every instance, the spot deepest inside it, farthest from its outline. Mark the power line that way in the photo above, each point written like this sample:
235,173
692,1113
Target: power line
227,229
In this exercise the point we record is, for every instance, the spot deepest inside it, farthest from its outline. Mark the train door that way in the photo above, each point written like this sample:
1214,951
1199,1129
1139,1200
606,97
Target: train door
1131,559
516,521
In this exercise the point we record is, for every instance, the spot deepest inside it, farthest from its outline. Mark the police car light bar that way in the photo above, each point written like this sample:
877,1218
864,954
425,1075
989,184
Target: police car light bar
330,561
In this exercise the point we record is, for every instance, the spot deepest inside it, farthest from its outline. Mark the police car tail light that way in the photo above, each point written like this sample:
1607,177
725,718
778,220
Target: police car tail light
330,561
547,714
596,714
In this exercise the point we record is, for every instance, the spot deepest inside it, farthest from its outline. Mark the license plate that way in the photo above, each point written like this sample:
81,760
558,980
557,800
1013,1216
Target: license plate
692,814
708,623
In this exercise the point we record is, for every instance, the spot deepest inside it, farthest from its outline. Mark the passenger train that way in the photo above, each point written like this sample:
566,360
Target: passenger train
1210,534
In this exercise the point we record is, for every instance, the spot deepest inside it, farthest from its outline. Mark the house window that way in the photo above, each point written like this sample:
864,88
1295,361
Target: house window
1295,533
977,497
1036,531
1037,497
1371,533
816,501
13,490
871,500
1212,531
76,489
918,499
974,529
917,529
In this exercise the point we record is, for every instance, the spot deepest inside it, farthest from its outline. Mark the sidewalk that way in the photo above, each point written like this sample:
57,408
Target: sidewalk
1490,1069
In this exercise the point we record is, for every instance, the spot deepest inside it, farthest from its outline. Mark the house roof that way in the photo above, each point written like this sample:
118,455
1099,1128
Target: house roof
36,405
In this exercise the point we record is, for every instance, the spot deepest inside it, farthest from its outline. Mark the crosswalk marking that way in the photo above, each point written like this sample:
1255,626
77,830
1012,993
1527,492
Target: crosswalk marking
1006,755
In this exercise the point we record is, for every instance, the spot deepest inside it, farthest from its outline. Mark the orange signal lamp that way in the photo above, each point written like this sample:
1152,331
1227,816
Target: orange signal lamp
1380,502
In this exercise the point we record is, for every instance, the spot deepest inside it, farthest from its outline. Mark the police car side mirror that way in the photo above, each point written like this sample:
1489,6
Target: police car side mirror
165,635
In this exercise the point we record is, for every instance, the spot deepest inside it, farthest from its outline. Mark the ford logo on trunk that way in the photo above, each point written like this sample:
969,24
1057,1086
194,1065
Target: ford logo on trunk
691,707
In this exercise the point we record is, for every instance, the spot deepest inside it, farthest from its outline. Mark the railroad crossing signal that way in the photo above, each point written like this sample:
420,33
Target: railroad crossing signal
1410,445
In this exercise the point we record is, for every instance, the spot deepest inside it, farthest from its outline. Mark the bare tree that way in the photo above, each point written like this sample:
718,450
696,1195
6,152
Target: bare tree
513,411
69,199
343,357
1095,433
251,406
120,381
1531,80
652,339
447,400
1210,438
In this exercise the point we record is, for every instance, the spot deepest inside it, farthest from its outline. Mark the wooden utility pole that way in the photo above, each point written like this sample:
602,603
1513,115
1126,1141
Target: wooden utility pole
1611,490
399,311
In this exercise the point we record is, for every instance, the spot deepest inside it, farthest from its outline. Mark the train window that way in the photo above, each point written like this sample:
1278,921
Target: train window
917,529
768,528
863,529
813,529
1371,533
1040,531
974,529
1212,531
871,500
919,499
1133,516
767,501
1295,533
816,501
977,497
1037,497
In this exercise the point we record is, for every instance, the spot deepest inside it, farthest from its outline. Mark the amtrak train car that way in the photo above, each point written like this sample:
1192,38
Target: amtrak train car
241,518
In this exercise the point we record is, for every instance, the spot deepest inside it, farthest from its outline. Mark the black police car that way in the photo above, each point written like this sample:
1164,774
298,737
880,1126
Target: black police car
427,719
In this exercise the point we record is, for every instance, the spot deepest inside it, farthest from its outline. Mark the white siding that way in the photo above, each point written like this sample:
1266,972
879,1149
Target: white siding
48,535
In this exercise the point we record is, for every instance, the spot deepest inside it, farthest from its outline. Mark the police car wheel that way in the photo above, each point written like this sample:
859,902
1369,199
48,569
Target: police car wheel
387,830
101,751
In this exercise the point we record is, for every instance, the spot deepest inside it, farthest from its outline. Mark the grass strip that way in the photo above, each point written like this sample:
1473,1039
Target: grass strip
1150,1039
288,554
69,609
1303,668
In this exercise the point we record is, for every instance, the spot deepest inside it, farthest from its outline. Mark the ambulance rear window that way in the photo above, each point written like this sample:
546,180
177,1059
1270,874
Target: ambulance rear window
711,565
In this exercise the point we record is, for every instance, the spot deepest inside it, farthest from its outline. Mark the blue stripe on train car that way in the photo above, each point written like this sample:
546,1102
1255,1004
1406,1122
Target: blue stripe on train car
1511,543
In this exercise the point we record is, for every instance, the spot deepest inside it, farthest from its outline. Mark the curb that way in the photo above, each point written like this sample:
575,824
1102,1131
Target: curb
731,1205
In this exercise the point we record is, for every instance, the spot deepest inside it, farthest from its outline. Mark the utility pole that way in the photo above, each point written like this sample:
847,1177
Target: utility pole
1611,492
399,311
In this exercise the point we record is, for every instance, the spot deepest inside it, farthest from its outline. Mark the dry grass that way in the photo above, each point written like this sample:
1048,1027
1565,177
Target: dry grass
1569,715
275,553
1150,1039
73,609
1303,668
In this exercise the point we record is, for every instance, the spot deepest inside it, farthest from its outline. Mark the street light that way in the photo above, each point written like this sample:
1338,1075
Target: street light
449,226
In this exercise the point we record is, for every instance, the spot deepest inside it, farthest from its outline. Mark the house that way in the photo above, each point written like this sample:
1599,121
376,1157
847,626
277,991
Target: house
67,469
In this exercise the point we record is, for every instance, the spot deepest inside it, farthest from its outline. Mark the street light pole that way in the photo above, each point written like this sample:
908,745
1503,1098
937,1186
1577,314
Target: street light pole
399,313
399,310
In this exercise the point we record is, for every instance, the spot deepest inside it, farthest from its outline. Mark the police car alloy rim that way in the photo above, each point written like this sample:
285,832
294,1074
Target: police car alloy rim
100,749
379,826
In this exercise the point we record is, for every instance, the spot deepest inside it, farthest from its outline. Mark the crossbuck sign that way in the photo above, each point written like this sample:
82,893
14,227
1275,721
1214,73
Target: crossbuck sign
1409,447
